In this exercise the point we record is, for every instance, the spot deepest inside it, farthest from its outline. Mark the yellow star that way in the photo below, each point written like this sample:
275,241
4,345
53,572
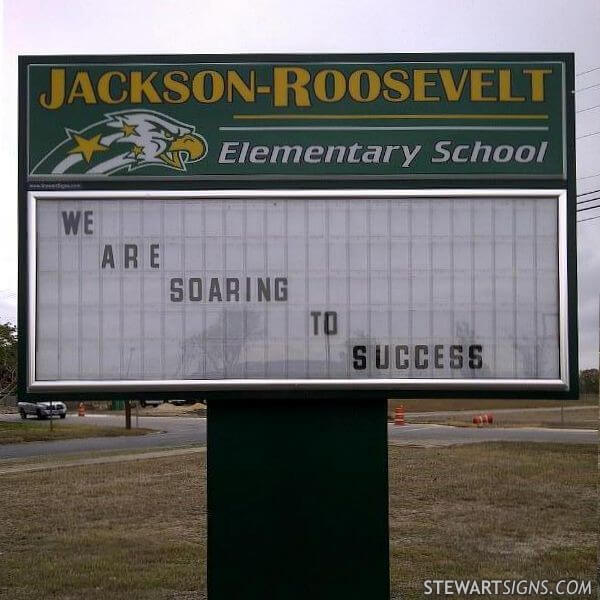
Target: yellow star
128,129
137,150
87,147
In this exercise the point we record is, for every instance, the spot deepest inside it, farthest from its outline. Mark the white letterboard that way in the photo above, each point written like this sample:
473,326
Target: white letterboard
353,288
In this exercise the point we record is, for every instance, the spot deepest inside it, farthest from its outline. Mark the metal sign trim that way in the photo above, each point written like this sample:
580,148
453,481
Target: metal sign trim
557,385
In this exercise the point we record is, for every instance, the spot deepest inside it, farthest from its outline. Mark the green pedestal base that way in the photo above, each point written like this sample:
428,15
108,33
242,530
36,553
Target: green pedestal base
297,500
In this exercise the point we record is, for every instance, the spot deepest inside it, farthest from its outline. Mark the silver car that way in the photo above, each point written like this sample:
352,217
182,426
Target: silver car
42,410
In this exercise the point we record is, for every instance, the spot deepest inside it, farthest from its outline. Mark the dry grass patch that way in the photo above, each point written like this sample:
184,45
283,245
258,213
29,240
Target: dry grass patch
491,511
137,530
134,530
38,431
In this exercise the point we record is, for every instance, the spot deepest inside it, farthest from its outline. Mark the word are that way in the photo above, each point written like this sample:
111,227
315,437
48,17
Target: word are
131,256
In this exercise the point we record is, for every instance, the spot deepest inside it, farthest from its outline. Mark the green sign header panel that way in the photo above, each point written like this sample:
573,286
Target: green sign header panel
298,119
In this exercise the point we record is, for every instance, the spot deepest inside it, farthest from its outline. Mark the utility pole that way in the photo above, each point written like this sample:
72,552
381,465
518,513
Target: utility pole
127,403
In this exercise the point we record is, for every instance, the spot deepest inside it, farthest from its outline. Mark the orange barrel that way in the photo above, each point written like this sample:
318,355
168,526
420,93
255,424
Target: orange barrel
399,415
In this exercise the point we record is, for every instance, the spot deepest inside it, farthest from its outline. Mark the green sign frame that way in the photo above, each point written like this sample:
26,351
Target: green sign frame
466,102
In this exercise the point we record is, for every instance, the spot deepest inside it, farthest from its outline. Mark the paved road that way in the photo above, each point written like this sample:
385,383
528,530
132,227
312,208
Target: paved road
174,431
443,435
500,411
8,467
184,431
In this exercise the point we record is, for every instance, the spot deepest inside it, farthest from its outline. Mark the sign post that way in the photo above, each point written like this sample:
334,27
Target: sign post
297,499
127,413
295,239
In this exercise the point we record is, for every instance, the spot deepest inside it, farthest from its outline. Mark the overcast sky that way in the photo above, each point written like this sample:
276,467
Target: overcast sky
160,27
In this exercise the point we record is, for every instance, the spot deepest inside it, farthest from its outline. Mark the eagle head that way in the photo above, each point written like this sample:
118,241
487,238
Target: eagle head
158,139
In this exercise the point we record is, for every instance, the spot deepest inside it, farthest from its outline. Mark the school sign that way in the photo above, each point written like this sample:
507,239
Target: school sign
298,223
295,239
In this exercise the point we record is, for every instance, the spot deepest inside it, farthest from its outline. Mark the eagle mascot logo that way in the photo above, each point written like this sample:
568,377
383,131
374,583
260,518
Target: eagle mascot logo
125,141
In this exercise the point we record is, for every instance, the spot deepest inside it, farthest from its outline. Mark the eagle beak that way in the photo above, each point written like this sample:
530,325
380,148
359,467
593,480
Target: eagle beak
193,145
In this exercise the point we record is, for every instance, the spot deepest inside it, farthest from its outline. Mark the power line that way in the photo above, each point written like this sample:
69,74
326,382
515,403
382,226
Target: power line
589,219
588,87
588,193
588,71
587,135
588,207
589,176
586,201
589,108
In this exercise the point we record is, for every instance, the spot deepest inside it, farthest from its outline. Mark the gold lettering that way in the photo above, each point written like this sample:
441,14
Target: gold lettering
505,87
56,96
199,86
452,90
176,89
355,87
235,83
402,89
104,87
282,86
139,87
82,88
478,83
338,81
421,84
537,83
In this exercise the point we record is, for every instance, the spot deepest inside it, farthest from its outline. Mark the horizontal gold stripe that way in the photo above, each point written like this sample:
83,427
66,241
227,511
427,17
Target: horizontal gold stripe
401,116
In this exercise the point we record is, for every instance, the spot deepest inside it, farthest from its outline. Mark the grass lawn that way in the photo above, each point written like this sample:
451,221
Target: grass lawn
36,431
492,511
137,530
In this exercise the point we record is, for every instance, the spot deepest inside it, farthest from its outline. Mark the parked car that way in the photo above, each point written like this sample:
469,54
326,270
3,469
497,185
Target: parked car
42,410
